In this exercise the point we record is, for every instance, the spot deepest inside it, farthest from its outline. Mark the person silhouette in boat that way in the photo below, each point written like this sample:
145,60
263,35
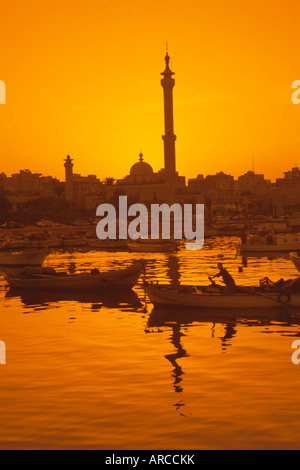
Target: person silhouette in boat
227,279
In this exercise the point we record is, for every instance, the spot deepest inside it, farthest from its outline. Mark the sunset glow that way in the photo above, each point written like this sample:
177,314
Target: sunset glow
150,227
84,79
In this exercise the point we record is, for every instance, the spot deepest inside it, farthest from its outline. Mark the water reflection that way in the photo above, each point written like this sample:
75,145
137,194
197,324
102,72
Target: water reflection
230,320
230,332
126,299
175,339
261,255
173,272
98,372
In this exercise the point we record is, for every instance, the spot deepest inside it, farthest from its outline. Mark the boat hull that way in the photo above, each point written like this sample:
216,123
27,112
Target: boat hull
121,279
296,260
248,248
282,243
26,258
162,297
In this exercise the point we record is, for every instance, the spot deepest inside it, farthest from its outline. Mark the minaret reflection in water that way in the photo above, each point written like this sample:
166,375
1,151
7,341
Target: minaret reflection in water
176,321
180,353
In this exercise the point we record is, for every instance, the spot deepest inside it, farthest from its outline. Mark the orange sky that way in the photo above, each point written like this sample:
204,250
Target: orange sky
84,78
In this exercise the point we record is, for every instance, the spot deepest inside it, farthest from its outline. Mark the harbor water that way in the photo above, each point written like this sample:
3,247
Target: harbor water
108,371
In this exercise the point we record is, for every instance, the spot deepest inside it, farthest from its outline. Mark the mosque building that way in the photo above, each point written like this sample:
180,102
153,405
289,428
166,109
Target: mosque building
143,184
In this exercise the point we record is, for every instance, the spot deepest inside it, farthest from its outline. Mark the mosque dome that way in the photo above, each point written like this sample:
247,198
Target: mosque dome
141,168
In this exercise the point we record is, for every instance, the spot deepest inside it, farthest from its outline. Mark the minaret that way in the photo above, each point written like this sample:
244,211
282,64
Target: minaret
169,138
69,178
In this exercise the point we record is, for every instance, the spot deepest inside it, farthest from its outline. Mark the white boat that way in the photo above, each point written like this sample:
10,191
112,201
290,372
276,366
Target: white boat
295,257
266,244
201,297
277,227
152,246
23,258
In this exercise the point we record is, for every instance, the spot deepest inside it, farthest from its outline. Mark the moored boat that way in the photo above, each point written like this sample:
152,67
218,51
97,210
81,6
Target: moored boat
208,297
49,279
276,227
295,257
23,258
266,244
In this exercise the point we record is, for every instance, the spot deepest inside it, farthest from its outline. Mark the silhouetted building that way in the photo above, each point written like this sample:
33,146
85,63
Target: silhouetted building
253,183
169,138
143,184
219,193
83,191
286,193
86,191
25,186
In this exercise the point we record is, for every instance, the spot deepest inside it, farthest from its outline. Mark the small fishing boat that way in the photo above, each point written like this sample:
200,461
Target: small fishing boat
295,257
186,297
152,246
49,279
22,258
266,244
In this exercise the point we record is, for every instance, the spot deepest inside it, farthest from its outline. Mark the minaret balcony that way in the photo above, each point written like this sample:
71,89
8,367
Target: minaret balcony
168,83
169,138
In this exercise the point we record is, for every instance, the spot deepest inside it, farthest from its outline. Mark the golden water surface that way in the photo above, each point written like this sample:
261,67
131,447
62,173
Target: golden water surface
108,371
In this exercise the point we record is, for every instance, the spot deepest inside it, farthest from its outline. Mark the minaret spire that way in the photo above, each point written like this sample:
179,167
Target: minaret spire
169,138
